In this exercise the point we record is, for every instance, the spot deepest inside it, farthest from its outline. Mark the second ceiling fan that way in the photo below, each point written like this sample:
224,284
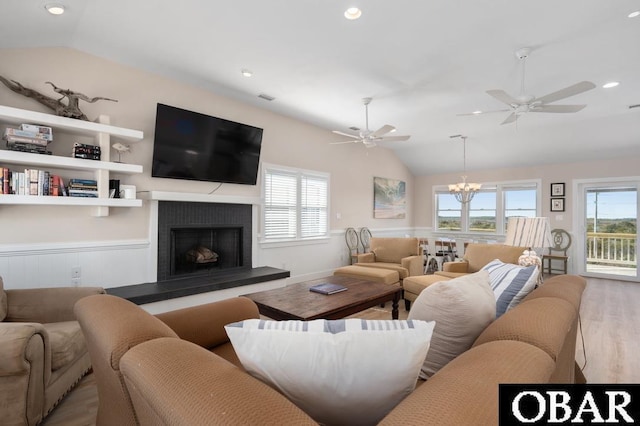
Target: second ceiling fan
525,103
367,137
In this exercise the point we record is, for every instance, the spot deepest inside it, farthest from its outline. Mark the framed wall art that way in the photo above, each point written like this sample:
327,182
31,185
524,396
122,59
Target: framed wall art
389,198
557,189
557,204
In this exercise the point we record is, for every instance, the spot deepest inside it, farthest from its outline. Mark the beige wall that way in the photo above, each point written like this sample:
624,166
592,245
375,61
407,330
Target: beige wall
548,174
286,142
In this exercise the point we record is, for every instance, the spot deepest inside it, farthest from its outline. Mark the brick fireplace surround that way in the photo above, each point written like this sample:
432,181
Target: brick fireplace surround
225,228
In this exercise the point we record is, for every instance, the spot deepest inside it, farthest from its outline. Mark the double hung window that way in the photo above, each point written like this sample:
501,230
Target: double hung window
296,204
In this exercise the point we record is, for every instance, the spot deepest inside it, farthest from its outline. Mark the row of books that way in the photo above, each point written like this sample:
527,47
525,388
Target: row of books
41,182
30,182
28,138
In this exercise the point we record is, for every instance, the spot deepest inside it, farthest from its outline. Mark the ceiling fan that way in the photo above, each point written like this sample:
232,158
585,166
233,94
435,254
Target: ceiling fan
525,103
367,137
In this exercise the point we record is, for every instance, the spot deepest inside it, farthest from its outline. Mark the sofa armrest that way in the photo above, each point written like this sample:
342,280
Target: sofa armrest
204,324
45,305
174,382
366,258
413,264
22,344
25,369
460,267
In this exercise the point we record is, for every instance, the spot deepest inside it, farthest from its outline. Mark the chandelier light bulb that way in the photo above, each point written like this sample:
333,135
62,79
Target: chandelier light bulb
55,9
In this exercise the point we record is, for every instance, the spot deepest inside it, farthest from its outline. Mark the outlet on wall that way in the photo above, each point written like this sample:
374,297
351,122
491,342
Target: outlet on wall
75,282
75,272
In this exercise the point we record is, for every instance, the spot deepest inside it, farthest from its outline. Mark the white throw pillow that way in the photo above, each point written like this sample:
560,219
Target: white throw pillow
461,308
510,283
341,372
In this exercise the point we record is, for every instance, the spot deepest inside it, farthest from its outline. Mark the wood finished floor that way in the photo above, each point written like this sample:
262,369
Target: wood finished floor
610,322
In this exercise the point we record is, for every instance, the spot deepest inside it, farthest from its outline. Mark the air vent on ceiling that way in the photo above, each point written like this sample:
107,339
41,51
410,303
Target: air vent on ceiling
354,128
266,97
634,106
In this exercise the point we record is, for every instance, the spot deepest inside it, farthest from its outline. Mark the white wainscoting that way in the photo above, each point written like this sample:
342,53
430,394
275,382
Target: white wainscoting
102,263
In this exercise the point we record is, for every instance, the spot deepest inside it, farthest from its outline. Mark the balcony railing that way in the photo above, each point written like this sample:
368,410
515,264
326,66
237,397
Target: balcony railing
611,249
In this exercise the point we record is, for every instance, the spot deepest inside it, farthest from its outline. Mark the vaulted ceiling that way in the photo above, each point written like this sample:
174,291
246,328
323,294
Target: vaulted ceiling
423,63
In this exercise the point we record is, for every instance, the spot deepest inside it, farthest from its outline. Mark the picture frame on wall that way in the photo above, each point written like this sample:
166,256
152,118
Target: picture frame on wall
389,198
557,189
557,204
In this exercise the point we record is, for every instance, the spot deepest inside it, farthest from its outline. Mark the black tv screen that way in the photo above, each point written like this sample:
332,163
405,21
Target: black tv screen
193,146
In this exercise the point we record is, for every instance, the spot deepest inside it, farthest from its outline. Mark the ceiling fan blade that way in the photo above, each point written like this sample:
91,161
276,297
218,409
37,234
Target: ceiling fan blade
511,118
503,96
343,142
484,112
576,89
558,108
393,138
337,132
383,130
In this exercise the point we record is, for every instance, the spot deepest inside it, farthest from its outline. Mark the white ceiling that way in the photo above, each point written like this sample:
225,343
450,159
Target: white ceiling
421,62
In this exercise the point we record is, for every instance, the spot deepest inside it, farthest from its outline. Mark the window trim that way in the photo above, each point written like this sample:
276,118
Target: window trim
297,240
499,188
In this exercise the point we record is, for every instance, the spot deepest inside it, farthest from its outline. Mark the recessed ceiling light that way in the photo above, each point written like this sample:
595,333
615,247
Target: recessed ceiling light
246,72
352,13
634,14
54,9
610,84
476,112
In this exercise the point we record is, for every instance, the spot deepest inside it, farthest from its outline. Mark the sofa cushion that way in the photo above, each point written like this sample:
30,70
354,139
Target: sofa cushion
66,341
340,372
3,301
510,283
385,276
461,308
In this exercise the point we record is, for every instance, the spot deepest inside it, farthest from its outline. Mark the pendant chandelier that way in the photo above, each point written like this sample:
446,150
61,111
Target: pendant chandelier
464,191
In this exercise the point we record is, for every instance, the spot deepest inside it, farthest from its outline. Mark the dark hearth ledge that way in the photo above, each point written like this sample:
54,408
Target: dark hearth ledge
171,289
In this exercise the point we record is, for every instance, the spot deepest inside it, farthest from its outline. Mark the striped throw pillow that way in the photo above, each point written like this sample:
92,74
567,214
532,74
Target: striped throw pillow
510,283
347,371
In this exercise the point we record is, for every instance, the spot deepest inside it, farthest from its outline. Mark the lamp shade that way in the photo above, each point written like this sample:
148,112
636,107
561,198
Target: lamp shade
529,232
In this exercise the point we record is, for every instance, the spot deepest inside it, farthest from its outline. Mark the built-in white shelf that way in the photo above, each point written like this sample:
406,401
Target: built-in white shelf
18,116
54,161
198,197
68,201
101,131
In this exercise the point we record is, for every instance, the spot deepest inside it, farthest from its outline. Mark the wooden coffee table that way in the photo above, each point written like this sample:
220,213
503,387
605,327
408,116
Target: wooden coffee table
296,302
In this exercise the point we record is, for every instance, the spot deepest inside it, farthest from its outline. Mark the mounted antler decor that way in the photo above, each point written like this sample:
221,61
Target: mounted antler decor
71,109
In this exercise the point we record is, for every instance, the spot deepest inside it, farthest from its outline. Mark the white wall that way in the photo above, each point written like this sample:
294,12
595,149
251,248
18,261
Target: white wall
40,244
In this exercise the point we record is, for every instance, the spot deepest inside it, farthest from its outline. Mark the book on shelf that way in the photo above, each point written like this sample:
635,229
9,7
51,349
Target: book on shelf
327,288
85,151
76,181
17,133
42,131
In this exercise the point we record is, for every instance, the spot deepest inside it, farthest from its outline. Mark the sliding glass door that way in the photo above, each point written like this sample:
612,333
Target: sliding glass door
609,229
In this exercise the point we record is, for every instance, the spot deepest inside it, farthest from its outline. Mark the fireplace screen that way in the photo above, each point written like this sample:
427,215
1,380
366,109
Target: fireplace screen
200,250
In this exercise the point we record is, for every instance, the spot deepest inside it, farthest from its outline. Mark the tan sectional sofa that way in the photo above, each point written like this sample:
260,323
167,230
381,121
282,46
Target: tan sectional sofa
164,379
42,350
476,256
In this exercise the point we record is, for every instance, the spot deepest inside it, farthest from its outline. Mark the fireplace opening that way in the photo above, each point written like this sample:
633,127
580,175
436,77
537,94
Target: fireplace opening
197,250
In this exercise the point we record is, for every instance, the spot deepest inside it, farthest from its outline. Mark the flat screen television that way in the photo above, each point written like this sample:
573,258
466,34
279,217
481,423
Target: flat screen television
193,146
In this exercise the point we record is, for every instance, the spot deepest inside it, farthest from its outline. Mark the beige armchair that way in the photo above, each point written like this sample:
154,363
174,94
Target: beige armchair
42,350
397,254
476,256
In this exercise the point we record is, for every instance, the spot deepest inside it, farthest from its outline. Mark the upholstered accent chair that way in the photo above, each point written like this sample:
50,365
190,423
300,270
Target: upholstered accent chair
43,353
397,254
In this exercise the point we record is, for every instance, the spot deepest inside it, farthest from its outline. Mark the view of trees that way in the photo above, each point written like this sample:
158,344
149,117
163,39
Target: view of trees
613,226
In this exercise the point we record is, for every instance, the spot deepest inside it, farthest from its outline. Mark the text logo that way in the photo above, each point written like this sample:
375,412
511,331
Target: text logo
569,404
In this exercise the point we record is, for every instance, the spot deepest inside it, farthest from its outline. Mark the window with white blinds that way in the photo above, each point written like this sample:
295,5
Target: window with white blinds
295,204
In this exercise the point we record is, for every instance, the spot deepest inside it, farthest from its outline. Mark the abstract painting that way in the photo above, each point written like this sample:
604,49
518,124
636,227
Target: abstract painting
389,198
